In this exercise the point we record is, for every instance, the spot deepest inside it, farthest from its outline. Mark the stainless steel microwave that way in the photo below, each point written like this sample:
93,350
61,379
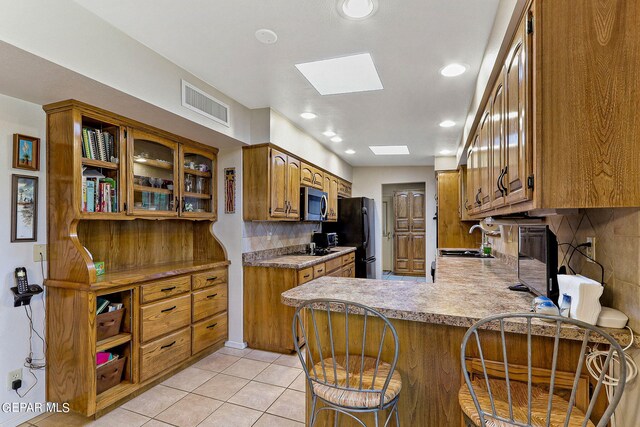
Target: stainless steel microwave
314,204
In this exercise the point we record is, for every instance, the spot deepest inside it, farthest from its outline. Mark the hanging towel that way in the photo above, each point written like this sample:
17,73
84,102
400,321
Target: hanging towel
585,296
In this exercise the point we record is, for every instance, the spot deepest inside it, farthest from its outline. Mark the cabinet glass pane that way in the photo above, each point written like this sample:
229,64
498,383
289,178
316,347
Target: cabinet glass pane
198,183
153,180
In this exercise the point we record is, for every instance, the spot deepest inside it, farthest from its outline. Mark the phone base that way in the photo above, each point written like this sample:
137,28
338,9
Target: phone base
25,298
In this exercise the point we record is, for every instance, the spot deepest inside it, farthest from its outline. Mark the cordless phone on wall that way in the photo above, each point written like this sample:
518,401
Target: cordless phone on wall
21,279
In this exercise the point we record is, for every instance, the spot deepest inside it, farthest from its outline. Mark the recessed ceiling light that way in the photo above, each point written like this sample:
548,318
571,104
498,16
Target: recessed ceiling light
348,74
336,139
447,123
266,36
389,150
350,151
357,9
308,115
329,133
453,70
445,152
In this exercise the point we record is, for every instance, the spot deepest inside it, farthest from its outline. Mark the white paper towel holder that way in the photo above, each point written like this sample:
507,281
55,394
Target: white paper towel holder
612,318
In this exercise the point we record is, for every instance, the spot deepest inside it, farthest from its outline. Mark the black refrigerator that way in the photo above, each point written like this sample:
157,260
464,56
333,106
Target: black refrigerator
356,227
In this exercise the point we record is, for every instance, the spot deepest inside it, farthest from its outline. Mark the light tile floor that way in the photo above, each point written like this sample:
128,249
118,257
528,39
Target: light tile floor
387,275
229,388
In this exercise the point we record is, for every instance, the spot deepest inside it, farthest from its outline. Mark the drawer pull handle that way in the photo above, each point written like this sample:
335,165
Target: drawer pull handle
167,289
306,276
212,278
109,323
211,296
168,309
167,346
211,326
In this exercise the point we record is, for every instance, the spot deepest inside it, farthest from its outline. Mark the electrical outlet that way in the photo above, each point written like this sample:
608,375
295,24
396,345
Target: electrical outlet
13,376
37,250
591,251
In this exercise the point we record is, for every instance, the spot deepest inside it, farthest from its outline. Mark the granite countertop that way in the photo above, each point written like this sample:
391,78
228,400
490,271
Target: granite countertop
298,261
466,290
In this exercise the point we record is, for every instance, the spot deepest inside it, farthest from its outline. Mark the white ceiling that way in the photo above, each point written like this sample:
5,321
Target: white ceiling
409,40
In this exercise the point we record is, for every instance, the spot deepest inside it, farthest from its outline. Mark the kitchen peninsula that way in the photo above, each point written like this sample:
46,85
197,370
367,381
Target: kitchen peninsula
431,320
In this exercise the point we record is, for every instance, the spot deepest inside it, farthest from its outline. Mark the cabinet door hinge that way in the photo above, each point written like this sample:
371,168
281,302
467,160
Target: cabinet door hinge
530,25
530,182
125,206
269,211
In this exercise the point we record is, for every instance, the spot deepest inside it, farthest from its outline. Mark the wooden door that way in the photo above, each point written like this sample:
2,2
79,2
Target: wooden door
402,208
402,250
293,188
278,177
418,253
153,178
498,144
418,220
484,161
519,156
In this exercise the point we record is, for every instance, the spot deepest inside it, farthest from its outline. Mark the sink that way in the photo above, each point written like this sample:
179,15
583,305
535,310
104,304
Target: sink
463,253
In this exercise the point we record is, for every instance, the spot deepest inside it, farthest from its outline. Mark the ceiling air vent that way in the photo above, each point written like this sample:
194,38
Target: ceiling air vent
205,104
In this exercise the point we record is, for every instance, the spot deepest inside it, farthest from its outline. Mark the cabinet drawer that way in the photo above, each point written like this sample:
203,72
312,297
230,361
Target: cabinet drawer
319,270
208,332
159,355
209,278
305,275
348,258
161,289
165,316
209,301
333,264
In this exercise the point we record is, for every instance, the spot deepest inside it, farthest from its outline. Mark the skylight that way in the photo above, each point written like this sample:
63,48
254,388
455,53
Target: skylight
355,73
389,150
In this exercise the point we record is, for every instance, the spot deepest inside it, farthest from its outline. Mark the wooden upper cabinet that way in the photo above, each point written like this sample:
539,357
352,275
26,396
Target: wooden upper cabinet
518,145
484,162
344,188
473,190
498,148
311,176
331,188
198,183
153,179
293,188
278,178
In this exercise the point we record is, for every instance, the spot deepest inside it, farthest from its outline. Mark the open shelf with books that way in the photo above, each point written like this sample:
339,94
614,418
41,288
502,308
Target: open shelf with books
101,148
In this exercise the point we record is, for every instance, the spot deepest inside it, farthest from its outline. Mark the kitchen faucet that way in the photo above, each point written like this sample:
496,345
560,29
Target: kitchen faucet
485,234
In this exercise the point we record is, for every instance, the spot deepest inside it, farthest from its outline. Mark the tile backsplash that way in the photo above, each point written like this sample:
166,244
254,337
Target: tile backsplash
259,236
617,248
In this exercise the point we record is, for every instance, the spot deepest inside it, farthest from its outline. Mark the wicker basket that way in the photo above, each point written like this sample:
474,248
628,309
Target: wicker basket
109,375
109,324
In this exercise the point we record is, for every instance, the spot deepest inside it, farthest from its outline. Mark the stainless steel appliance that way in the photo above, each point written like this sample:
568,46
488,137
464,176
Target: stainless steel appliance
313,204
325,240
356,227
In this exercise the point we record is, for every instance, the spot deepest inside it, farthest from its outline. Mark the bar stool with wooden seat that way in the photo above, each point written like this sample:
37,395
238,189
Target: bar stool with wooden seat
498,393
343,363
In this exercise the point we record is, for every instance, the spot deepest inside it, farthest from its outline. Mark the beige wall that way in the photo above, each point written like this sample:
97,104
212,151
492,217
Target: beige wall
617,233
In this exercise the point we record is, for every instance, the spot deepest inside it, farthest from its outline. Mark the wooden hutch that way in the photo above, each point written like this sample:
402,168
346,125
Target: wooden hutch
143,202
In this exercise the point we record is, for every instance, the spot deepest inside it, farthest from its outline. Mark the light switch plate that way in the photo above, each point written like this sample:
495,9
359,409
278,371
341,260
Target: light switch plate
37,250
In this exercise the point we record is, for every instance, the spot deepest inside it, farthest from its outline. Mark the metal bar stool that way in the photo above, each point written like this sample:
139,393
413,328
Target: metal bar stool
340,375
524,396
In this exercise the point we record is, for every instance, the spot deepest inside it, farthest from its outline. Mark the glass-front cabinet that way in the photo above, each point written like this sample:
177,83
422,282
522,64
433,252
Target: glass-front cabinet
153,175
198,183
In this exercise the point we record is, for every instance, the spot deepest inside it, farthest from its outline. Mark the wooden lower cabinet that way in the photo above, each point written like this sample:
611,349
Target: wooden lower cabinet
208,332
161,354
169,322
268,322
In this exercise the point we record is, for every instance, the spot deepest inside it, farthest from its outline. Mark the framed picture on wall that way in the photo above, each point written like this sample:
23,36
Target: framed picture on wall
24,208
26,152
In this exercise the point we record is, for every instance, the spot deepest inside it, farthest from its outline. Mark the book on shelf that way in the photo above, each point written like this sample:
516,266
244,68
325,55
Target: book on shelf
102,304
99,193
98,145
114,306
